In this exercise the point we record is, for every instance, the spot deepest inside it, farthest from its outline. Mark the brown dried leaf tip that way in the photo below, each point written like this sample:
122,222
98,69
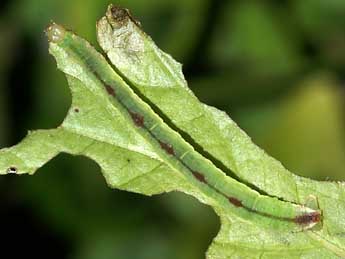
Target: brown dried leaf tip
121,15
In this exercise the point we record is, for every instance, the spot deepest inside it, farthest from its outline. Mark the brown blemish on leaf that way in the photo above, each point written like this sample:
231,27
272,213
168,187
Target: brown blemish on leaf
76,110
167,147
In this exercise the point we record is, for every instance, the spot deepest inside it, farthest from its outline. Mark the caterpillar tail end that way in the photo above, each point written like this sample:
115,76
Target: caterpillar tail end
309,220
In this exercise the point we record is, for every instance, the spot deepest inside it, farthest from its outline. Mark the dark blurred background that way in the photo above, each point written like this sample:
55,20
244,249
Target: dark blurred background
276,67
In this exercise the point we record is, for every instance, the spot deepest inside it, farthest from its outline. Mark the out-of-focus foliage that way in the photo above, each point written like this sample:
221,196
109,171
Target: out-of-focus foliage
305,120
252,36
6,46
262,61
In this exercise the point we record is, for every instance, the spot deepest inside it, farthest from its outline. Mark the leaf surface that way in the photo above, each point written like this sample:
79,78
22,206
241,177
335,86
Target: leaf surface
101,125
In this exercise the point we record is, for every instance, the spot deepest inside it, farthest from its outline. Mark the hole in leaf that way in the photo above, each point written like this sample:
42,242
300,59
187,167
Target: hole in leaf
12,170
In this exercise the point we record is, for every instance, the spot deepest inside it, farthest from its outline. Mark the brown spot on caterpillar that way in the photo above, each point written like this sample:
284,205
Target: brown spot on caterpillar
199,176
236,202
137,119
312,217
110,90
12,170
167,147
76,110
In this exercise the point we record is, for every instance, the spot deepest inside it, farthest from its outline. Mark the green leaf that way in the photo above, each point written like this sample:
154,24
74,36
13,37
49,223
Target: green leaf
150,134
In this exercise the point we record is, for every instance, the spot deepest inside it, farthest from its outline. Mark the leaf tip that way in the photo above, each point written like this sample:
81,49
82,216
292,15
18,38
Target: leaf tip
119,16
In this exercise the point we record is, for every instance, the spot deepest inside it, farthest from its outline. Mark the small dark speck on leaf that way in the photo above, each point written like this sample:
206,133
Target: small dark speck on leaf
76,110
12,170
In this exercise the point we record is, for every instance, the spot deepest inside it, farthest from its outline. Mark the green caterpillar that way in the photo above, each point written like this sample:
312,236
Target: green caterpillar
171,147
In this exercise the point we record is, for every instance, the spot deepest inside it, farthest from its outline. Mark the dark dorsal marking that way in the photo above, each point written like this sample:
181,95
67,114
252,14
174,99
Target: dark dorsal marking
236,202
110,90
305,219
137,119
199,177
167,147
